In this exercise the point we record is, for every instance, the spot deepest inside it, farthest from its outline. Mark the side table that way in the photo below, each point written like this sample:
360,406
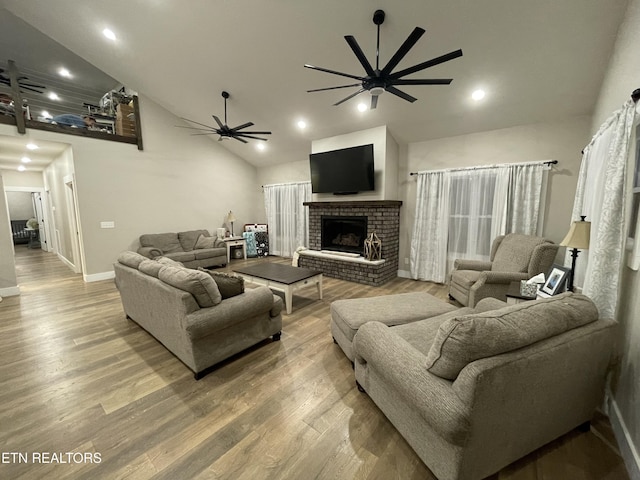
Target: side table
514,296
235,242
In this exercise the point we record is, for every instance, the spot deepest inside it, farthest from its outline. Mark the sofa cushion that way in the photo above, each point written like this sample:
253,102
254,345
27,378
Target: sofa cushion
168,261
150,267
204,253
465,278
188,239
180,256
229,285
131,259
464,339
204,242
167,242
199,284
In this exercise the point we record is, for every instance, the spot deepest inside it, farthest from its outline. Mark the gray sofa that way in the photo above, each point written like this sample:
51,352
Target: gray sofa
184,247
473,391
184,310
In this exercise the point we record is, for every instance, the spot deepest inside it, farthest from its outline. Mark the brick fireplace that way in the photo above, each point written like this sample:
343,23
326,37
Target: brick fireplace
382,217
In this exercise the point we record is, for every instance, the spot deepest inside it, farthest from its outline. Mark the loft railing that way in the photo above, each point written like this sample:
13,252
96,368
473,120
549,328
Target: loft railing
116,113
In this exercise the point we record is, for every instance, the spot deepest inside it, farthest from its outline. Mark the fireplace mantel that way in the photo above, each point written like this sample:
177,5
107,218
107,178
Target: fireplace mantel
356,204
383,219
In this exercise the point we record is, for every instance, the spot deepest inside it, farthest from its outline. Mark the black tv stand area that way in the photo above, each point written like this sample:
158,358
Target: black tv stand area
345,193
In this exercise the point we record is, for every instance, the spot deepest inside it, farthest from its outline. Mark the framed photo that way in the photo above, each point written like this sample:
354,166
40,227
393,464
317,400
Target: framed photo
556,280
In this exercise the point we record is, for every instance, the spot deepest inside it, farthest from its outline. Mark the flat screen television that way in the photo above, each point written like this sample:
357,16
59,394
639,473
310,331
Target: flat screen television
344,171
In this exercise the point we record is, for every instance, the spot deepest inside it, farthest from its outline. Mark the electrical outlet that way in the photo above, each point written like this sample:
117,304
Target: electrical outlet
107,224
406,261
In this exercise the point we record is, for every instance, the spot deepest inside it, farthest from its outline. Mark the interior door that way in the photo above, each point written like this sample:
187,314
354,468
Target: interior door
37,201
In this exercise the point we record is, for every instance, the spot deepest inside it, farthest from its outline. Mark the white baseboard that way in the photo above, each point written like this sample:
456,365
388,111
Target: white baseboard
64,260
9,291
628,449
404,273
98,277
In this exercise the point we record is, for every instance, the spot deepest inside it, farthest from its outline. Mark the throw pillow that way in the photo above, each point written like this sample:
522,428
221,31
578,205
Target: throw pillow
131,259
467,338
200,285
229,285
205,242
168,261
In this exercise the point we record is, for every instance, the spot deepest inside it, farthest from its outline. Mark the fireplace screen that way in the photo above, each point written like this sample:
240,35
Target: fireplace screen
344,234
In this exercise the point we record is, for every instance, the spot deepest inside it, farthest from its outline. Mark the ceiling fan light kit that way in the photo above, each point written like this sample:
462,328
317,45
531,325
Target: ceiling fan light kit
224,131
377,81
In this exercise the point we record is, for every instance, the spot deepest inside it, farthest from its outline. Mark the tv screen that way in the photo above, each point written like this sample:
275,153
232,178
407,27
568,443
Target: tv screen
348,170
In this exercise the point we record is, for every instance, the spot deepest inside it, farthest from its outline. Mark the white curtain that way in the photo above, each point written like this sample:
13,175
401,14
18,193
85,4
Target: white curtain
430,228
600,196
287,217
460,211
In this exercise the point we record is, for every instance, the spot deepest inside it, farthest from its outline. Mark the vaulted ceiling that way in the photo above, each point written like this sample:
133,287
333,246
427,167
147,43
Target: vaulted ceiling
537,61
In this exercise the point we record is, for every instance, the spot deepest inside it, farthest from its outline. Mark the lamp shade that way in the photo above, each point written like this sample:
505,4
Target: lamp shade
231,217
578,236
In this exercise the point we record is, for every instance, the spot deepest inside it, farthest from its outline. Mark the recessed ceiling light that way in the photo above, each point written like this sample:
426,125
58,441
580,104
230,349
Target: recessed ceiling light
32,146
45,114
260,146
63,72
478,95
53,96
302,124
25,159
22,168
109,34
362,107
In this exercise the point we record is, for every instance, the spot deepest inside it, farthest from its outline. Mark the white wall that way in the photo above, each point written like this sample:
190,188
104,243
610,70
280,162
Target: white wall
20,205
22,179
177,182
8,280
385,170
620,80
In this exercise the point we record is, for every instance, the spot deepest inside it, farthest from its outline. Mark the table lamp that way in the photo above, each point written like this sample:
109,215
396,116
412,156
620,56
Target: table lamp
577,238
231,218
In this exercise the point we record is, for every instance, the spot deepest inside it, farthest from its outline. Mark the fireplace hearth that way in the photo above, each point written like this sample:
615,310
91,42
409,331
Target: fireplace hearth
343,233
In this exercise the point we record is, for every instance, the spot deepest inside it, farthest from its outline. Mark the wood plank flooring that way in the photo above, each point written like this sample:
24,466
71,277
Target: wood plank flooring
76,376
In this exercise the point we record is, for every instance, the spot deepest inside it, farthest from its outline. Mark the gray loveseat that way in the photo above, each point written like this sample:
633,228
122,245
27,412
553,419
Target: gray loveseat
185,247
473,391
184,310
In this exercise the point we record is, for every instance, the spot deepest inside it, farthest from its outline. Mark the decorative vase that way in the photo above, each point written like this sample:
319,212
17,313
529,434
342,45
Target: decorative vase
372,247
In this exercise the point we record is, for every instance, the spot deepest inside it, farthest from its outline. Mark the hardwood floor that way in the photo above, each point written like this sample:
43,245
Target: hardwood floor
76,376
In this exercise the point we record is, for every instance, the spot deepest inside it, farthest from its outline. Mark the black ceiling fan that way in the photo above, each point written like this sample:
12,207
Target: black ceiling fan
21,83
224,131
377,81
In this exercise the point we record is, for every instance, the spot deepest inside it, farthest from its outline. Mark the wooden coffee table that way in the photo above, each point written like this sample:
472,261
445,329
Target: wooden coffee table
282,278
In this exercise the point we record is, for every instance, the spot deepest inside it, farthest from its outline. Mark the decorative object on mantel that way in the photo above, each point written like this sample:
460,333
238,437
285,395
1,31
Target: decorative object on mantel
373,247
577,238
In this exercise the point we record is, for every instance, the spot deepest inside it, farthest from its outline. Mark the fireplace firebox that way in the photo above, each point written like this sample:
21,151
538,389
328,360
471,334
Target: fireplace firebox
343,233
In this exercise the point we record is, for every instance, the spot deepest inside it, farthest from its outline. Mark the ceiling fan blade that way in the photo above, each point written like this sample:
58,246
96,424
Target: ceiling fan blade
210,129
326,70
252,137
349,97
403,50
333,88
425,81
240,127
197,123
427,64
218,121
351,40
254,133
239,139
401,94
374,101
22,87
210,133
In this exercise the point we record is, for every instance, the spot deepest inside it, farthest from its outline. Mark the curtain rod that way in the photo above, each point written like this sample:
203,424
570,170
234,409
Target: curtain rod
288,183
481,167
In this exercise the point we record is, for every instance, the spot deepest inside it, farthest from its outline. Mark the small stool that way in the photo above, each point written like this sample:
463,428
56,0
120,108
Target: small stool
350,314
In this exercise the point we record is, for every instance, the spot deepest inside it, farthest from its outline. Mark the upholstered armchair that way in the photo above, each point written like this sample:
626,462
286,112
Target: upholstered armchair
514,257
